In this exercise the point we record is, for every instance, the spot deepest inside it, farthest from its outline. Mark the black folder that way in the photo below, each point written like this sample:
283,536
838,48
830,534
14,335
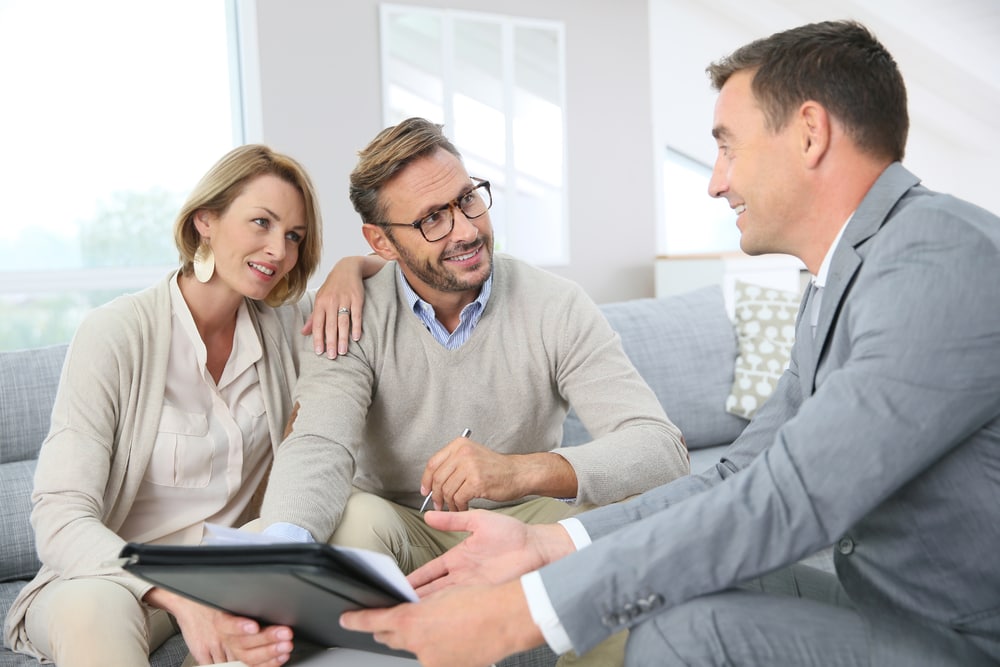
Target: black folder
303,586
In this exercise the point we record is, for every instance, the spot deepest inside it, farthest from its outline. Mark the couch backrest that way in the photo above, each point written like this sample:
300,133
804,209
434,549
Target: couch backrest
685,347
28,381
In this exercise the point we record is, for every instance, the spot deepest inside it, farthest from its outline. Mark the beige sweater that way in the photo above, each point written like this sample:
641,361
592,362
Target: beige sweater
372,418
104,424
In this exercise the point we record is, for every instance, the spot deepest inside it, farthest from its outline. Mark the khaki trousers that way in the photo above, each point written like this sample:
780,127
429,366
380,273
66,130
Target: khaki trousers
95,622
380,525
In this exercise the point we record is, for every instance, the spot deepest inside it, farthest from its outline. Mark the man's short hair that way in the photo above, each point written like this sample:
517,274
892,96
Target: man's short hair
839,64
388,153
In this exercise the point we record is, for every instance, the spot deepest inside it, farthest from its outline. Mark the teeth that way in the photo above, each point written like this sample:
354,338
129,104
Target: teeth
462,258
262,269
739,209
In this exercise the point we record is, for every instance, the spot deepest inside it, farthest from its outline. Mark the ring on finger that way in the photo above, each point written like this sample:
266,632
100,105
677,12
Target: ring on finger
343,310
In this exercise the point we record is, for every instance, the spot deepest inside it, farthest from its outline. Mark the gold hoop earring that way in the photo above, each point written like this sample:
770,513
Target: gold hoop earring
204,263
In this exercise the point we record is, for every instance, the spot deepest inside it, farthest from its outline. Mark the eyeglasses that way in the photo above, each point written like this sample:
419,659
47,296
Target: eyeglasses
439,224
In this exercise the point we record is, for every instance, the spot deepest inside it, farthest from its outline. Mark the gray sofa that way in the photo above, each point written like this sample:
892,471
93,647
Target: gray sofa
684,346
28,381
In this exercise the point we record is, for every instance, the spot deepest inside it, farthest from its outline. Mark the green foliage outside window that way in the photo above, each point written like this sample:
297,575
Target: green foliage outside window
132,229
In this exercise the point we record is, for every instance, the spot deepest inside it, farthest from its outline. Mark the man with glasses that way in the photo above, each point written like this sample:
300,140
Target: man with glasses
455,340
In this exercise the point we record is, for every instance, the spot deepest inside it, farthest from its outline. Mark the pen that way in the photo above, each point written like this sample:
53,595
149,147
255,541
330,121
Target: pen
465,434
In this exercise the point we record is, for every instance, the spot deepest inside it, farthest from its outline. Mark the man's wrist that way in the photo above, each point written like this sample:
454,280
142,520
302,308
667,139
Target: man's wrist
577,532
546,474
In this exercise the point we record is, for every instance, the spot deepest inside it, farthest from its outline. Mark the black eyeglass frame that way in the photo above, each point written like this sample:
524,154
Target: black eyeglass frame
450,206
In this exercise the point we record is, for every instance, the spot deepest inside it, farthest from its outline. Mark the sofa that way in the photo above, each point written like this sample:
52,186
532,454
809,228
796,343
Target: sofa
685,346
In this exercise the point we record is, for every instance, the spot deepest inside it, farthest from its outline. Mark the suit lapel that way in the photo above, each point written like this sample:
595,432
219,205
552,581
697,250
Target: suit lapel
873,212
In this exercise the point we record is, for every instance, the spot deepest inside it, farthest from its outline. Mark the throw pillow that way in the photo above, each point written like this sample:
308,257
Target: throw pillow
765,331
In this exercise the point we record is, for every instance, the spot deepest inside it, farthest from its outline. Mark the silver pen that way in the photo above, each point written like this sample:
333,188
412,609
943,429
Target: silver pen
465,434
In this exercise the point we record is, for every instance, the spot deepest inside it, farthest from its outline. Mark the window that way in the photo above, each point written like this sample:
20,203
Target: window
112,110
496,83
695,222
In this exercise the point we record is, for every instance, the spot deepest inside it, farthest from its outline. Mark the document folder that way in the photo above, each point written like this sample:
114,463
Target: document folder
303,586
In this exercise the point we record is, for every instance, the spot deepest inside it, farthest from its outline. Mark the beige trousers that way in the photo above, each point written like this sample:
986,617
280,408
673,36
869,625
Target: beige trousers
380,525
95,622
609,653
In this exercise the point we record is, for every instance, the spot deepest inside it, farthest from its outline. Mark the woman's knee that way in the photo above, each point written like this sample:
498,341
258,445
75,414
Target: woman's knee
83,601
74,618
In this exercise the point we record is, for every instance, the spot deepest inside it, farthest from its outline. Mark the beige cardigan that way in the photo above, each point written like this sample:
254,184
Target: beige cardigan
104,421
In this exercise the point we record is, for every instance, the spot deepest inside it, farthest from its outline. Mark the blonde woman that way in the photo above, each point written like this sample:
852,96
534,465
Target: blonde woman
170,406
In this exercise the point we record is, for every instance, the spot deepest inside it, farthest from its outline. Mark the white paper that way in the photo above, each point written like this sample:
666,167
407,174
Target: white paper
380,566
224,535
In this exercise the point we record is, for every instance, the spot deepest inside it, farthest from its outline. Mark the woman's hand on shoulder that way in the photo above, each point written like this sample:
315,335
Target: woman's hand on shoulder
336,316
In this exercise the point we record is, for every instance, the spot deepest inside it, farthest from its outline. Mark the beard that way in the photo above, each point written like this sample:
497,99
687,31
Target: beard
436,274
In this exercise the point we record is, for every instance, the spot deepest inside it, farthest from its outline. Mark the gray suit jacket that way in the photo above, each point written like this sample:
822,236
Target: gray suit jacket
883,437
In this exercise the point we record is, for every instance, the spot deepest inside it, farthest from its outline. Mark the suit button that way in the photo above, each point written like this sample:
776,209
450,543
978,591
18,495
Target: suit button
845,546
651,602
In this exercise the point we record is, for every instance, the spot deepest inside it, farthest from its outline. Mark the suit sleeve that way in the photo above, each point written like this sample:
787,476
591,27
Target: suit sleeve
918,333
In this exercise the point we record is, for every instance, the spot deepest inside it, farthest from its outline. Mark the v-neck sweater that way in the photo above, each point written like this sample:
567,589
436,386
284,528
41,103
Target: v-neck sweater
373,417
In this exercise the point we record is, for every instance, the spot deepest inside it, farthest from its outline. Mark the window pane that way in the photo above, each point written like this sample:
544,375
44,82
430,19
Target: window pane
113,109
496,83
695,222
412,61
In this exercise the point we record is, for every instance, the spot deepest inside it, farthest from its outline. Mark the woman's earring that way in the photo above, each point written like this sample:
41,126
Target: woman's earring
204,263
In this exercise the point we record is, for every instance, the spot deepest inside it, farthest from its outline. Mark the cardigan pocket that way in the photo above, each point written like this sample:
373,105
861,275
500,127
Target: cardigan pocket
182,453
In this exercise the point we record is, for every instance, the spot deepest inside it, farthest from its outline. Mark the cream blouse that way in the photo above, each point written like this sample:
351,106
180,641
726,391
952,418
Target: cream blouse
212,446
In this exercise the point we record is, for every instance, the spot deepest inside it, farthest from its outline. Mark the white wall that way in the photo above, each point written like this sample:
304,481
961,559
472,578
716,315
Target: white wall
320,102
635,84
953,126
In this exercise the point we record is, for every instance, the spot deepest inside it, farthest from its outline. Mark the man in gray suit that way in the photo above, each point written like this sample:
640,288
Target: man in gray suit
882,439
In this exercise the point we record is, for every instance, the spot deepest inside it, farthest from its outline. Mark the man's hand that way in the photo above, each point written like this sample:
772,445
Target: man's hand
464,470
196,622
498,549
331,328
247,642
469,626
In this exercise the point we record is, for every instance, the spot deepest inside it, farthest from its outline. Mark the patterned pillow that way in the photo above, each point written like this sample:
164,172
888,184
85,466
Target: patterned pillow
765,329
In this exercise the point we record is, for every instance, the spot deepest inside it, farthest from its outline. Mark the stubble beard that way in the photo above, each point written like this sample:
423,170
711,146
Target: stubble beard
437,275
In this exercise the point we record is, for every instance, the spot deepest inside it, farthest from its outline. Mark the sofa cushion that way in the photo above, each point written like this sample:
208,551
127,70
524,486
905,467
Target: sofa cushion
18,559
684,346
765,328
28,381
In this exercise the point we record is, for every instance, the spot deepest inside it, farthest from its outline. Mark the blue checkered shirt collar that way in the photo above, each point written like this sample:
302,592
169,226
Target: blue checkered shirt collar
467,319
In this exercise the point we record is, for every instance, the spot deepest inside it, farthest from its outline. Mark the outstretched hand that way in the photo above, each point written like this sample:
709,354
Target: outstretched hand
473,626
498,549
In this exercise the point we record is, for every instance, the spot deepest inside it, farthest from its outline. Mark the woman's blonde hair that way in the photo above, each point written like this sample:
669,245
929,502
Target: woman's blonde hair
224,182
